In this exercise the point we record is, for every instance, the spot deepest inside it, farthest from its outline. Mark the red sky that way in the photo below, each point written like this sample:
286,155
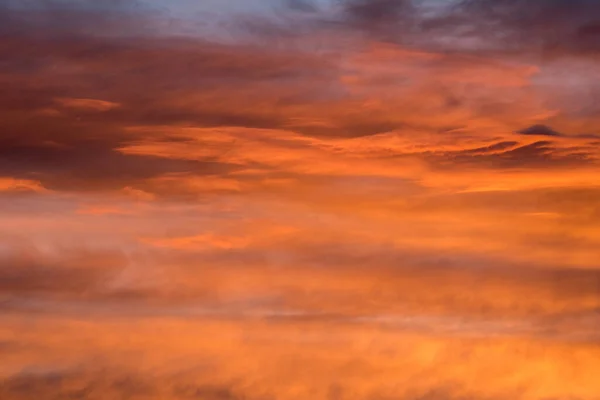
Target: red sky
356,200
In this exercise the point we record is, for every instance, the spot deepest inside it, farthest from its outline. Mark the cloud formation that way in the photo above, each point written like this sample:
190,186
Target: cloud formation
344,200
555,26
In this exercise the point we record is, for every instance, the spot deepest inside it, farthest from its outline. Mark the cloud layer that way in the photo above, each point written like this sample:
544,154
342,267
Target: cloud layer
333,200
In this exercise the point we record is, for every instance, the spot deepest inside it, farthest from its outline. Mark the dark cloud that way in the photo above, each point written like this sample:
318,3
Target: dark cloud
500,146
540,154
100,384
307,6
63,18
541,27
374,13
70,164
353,127
549,26
543,130
539,130
106,384
502,155
64,50
79,273
116,54
398,21
143,74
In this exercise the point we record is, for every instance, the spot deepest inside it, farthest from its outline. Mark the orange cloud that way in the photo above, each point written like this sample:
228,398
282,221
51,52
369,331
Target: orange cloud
198,242
19,185
374,201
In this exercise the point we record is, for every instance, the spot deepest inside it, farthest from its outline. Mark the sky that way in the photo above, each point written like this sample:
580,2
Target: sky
295,199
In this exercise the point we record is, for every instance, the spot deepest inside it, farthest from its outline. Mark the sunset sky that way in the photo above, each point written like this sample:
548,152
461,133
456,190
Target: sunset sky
300,200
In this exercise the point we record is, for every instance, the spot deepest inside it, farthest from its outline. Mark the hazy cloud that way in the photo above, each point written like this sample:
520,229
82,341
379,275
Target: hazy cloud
78,273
